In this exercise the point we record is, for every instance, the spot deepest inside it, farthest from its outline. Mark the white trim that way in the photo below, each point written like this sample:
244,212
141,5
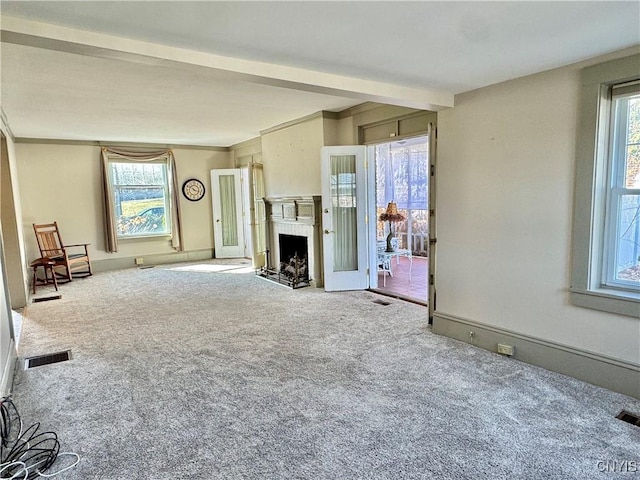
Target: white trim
615,159
164,160
7,376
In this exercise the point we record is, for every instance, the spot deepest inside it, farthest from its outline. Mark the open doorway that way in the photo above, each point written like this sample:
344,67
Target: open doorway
402,179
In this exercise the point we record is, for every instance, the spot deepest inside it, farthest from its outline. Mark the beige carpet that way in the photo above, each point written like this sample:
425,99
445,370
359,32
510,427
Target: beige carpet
208,372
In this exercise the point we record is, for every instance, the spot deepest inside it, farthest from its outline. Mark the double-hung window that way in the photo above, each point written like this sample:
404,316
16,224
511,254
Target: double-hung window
141,200
621,256
606,229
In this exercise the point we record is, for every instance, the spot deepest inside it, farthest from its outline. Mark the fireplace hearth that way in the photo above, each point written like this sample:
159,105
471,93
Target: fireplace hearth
293,274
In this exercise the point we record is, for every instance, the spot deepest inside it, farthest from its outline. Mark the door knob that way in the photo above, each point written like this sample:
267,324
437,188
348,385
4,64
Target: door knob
217,220
328,231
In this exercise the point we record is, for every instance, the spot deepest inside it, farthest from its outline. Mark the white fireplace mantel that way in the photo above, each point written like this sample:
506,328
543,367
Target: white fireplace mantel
300,216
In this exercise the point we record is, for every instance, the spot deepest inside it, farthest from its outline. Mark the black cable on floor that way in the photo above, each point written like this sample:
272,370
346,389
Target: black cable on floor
25,455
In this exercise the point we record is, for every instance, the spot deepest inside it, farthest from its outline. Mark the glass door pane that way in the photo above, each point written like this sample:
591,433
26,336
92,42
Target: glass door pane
343,203
228,210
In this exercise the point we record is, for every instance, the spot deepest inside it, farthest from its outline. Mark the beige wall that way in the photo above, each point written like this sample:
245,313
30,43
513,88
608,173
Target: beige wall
62,182
197,217
11,214
291,154
504,213
291,158
247,152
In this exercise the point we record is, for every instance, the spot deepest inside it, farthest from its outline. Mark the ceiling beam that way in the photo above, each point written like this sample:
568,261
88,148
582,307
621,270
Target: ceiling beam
54,37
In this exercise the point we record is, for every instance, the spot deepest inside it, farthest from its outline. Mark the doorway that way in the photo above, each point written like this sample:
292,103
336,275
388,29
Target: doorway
239,219
402,177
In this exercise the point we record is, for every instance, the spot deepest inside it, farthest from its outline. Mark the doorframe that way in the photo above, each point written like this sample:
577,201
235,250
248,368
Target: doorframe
431,134
245,187
216,201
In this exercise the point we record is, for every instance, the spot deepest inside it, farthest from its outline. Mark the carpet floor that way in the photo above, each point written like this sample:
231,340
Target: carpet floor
206,371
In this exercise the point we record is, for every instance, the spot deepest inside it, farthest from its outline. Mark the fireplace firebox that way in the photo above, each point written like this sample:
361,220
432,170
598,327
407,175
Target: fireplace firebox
294,258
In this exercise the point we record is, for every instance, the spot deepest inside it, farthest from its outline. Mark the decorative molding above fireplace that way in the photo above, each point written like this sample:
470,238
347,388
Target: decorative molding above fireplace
294,209
300,216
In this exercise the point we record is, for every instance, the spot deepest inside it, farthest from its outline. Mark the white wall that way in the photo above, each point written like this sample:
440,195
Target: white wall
62,182
504,213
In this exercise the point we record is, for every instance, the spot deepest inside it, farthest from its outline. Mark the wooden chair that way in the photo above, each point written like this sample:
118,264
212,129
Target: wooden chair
66,264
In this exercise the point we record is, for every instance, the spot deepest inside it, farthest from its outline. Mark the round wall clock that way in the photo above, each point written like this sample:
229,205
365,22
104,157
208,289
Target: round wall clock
193,189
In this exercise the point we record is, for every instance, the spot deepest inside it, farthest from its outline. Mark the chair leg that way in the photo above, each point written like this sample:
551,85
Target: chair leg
65,274
53,276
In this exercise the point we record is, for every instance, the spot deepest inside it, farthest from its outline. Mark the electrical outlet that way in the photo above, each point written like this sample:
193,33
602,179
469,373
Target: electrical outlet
139,261
505,349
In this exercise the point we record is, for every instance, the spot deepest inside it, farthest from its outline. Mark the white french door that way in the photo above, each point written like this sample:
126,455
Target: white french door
344,218
228,224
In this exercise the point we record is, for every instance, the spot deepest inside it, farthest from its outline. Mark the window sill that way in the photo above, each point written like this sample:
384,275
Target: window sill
161,236
608,300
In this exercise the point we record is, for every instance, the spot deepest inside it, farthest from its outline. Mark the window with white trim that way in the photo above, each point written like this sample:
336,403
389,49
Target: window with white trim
141,197
621,267
605,273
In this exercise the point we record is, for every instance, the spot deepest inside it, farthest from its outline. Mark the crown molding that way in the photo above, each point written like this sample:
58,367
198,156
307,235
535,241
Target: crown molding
97,143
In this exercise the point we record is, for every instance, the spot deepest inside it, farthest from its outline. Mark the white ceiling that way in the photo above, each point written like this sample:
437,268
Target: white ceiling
217,73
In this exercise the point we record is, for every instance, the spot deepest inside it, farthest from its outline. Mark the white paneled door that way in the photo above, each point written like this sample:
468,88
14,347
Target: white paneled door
228,224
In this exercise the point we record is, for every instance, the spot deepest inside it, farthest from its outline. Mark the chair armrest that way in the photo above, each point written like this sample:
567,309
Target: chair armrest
77,246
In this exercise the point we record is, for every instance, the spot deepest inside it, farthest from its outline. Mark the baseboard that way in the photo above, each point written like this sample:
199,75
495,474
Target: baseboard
9,369
109,264
607,372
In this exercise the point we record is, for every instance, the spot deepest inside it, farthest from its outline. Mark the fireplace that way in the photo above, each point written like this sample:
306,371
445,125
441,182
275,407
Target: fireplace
294,259
294,241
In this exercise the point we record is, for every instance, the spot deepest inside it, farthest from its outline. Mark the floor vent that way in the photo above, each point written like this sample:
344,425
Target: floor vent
32,362
146,267
46,299
629,418
382,302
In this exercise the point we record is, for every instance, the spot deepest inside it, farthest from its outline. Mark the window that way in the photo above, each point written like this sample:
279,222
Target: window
141,197
606,229
622,252
402,176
